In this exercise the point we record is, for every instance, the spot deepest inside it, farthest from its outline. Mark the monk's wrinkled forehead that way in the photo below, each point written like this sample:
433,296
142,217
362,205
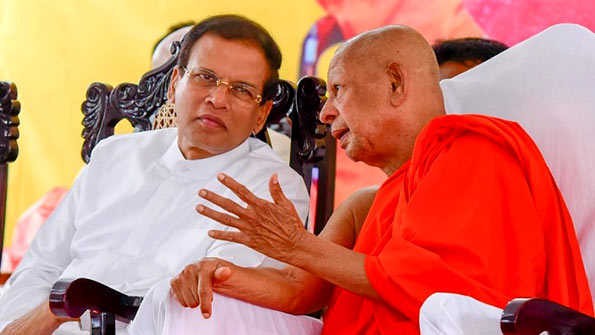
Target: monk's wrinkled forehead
357,53
336,70
363,46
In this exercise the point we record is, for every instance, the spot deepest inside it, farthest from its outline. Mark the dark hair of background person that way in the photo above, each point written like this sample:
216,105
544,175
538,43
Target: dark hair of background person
463,50
170,30
235,27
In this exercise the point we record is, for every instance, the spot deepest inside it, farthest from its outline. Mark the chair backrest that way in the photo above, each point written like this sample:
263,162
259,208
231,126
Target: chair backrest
313,149
312,153
105,106
9,150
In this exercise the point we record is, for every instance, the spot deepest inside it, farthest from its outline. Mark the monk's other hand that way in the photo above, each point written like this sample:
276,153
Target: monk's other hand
193,286
39,321
272,228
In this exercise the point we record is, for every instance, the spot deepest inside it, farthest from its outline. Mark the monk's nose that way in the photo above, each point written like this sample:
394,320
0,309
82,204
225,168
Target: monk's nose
328,113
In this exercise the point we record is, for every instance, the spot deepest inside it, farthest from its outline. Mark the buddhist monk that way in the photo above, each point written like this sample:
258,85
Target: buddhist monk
469,207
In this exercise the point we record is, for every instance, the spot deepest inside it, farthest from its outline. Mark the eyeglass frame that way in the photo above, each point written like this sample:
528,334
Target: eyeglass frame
218,81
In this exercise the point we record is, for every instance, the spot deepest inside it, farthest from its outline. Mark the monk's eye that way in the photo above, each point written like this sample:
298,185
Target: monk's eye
336,90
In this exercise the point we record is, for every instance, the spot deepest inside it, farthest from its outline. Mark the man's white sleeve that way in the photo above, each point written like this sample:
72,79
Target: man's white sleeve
45,260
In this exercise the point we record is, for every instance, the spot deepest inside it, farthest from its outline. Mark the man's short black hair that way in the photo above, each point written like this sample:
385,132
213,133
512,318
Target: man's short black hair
463,50
235,27
170,30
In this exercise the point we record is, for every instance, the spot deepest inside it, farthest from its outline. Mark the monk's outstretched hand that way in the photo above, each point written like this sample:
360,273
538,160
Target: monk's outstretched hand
272,228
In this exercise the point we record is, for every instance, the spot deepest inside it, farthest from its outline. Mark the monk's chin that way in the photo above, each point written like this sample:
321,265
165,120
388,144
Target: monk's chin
354,155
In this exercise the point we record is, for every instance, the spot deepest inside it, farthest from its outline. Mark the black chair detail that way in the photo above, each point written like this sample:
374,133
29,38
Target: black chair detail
9,150
70,299
533,316
105,107
313,149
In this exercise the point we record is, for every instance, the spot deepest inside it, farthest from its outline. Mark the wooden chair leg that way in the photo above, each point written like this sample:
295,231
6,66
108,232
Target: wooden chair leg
103,323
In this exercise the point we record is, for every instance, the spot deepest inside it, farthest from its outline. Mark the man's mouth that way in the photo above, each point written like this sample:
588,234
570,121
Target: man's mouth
212,121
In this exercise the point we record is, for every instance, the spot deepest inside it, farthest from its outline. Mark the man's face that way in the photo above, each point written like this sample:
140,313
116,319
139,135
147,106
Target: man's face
451,68
215,119
358,109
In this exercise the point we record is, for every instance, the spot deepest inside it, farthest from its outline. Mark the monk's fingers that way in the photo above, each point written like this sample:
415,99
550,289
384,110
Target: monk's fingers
277,193
275,190
205,291
224,219
231,236
239,189
225,203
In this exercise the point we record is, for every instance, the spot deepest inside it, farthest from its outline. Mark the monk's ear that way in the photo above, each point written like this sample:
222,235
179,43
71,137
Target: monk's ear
396,74
171,90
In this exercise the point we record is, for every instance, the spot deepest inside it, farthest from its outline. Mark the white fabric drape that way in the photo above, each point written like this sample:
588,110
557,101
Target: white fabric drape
547,85
453,314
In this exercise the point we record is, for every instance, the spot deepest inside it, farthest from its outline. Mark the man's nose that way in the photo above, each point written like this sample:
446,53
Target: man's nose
219,95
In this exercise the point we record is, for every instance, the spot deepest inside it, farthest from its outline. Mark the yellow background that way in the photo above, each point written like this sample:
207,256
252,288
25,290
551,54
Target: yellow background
54,49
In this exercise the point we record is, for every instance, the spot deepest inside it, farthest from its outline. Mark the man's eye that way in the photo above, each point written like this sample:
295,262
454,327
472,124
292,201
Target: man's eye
205,77
242,91
336,87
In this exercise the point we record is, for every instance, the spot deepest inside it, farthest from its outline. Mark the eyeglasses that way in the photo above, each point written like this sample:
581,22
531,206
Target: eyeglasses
207,79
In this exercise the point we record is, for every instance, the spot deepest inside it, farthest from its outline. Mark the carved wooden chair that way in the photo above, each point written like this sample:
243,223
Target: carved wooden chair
105,106
9,150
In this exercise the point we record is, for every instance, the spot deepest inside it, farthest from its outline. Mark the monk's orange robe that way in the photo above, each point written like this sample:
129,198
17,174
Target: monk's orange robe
475,212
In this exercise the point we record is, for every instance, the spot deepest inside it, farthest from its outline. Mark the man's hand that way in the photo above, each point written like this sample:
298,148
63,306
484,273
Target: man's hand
272,228
194,285
40,321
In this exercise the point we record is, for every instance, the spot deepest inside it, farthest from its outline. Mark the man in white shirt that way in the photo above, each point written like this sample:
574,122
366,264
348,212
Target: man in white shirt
130,220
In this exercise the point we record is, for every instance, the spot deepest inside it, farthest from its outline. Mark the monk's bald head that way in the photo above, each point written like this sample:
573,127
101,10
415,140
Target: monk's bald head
394,44
383,89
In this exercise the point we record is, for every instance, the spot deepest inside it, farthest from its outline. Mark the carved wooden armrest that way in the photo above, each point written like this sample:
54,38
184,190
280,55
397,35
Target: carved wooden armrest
533,316
70,298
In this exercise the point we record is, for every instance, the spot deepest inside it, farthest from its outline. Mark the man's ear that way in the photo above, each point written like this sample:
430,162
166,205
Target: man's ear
263,112
171,90
398,89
